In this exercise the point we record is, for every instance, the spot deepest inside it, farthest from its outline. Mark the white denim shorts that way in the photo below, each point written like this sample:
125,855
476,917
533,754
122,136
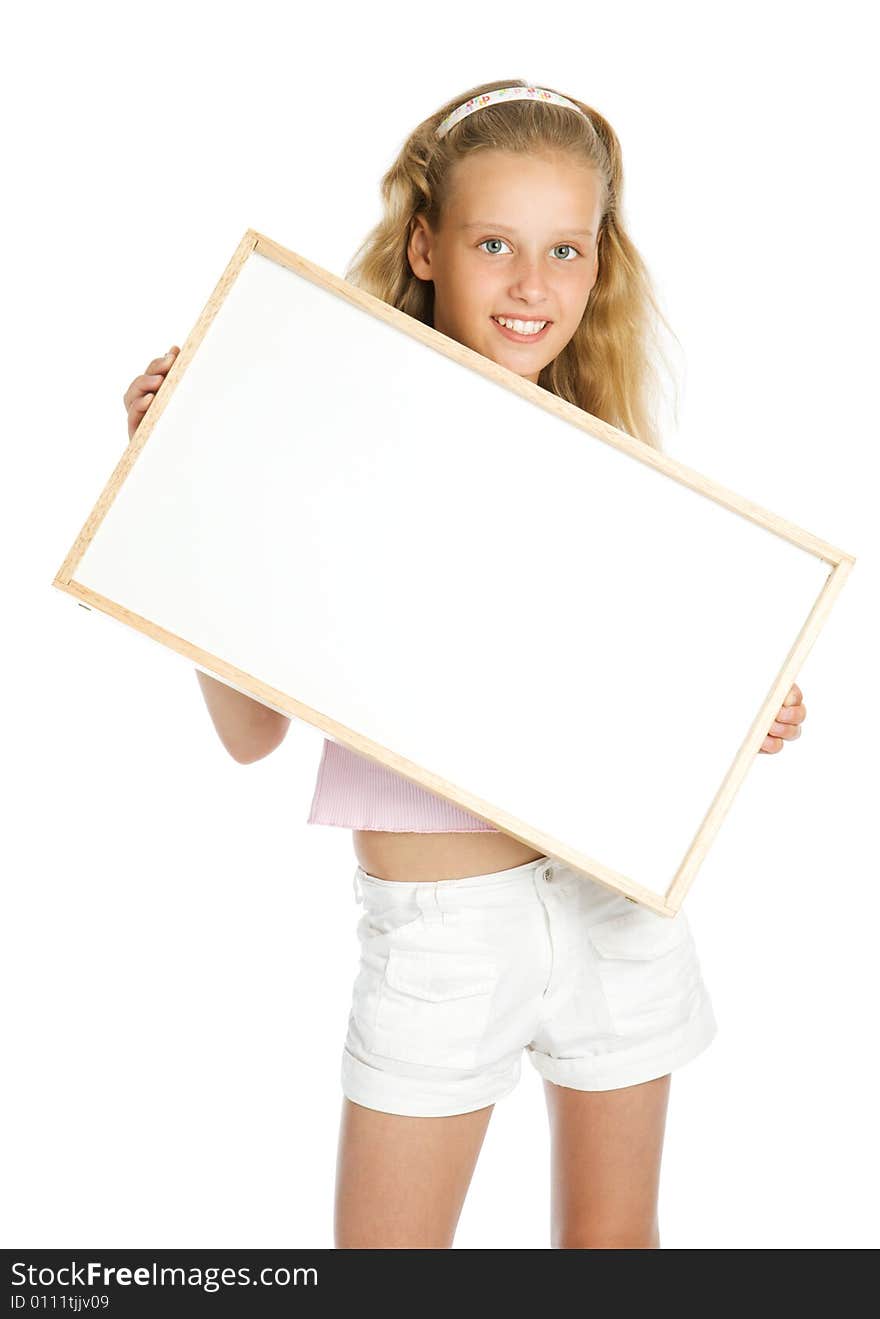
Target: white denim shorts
457,977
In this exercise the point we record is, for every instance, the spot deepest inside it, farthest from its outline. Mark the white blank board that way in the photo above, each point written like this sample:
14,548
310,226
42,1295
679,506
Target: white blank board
449,569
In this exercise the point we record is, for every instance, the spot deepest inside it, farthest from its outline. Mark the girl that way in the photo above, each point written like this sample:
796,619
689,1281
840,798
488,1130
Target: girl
503,229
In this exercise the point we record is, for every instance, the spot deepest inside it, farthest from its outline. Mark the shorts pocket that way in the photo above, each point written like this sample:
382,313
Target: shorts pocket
433,1006
386,921
648,970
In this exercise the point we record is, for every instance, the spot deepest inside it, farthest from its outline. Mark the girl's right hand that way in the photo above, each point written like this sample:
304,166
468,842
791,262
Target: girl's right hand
142,390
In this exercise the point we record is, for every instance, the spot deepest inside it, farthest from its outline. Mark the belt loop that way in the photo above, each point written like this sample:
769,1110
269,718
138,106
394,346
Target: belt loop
428,903
358,887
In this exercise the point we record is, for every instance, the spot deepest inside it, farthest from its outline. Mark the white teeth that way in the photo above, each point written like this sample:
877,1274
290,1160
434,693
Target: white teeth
521,327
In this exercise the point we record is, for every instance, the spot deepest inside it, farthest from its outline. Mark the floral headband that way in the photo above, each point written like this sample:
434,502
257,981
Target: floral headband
504,94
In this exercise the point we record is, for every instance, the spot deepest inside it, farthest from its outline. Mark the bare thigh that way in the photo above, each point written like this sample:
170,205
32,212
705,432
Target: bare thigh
606,1148
401,1181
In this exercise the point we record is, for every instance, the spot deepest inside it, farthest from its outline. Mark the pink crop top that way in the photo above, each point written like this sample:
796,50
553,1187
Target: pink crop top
357,793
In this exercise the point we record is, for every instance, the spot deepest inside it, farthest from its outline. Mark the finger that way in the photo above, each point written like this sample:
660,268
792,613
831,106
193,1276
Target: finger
163,363
138,408
792,714
142,385
770,745
136,414
154,375
788,731
795,696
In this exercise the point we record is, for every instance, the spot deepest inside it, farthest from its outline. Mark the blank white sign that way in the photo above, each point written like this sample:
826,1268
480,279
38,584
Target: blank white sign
443,566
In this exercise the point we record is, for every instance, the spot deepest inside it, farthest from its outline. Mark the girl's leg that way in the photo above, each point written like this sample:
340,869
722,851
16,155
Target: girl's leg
401,1181
606,1147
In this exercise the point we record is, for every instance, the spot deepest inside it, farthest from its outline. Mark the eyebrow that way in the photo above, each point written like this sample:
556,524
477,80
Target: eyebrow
496,224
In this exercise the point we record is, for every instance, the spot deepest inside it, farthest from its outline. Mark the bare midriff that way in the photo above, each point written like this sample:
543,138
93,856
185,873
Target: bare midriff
428,857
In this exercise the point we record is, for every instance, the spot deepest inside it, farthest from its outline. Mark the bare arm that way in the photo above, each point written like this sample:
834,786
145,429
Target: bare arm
248,729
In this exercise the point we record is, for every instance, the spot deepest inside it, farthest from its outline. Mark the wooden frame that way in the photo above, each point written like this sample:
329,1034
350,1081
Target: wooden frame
840,563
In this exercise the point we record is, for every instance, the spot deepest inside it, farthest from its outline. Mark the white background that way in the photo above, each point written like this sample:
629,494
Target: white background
179,947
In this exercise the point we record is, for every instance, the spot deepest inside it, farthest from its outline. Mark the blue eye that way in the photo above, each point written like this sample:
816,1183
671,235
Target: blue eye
567,246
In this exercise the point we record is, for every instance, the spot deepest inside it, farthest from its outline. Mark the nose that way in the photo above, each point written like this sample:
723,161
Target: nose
528,284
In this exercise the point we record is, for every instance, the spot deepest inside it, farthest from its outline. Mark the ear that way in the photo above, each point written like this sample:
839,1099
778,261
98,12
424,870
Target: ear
418,249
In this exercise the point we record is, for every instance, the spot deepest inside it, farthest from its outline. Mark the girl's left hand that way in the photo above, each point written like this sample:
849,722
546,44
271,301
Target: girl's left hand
787,724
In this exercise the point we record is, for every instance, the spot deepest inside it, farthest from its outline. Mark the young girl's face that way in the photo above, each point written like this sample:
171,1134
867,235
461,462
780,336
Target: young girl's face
518,239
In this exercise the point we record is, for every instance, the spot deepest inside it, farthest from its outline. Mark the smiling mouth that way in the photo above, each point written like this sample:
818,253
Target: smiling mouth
515,336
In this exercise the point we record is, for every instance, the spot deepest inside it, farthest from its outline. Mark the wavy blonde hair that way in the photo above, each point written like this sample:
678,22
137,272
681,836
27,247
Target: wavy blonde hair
609,366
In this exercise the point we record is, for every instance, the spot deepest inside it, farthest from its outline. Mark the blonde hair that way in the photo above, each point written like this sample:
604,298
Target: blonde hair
609,366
